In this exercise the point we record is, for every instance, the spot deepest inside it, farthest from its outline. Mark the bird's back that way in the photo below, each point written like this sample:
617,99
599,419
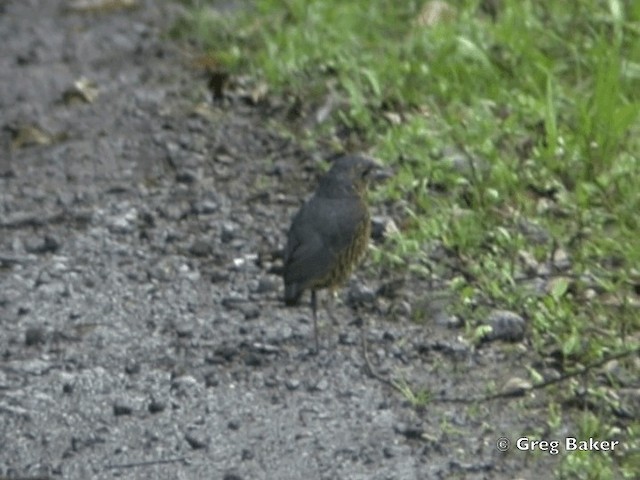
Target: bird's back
328,236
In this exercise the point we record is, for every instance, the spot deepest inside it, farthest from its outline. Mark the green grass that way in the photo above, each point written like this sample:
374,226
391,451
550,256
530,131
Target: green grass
514,136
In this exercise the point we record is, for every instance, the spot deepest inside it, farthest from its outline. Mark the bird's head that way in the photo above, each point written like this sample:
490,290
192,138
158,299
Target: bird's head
351,172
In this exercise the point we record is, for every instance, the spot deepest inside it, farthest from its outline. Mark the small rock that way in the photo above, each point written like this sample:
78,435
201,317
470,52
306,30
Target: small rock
457,351
464,163
390,451
148,219
124,223
162,272
176,211
211,379
391,288
224,353
446,319
318,386
44,278
629,405
47,244
233,425
200,248
156,406
360,294
34,336
34,366
228,232
195,441
529,262
206,207
267,285
409,431
184,385
247,454
265,348
225,159
250,311
132,368
505,325
253,360
383,227
533,232
8,295
292,383
7,172
187,177
271,381
233,301
122,409
231,476
347,338
184,330
401,309
219,275
516,387
561,259
242,263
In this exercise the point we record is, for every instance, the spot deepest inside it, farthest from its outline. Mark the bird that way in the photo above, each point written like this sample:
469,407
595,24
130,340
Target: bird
330,232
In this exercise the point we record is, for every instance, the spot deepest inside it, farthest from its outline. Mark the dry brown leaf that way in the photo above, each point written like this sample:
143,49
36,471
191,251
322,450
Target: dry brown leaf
434,13
91,6
29,136
83,90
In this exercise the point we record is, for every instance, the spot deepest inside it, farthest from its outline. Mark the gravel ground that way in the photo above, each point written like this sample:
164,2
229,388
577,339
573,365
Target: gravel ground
142,337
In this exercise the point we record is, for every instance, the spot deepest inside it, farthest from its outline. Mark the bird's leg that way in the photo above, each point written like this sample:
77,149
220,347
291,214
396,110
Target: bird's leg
330,304
314,308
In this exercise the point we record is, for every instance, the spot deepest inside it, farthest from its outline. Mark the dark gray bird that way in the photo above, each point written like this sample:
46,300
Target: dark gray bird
329,235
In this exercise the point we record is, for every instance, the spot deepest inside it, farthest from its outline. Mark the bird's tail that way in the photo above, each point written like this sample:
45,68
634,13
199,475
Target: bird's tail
292,293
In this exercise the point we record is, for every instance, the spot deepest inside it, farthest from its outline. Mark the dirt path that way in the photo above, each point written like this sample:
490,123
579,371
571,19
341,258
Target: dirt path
139,338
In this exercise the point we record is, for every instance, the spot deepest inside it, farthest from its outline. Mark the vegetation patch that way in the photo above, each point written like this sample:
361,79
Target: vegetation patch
514,130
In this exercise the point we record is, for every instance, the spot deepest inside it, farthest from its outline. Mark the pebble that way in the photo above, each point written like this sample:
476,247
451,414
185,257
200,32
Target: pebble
200,248
196,441
292,383
505,325
382,227
267,284
360,294
232,476
41,246
34,336
120,409
414,431
156,406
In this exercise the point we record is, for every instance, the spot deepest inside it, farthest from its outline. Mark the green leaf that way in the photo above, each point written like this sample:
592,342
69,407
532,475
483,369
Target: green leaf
559,287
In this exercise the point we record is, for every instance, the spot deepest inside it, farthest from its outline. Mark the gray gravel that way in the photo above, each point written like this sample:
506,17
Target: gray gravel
142,335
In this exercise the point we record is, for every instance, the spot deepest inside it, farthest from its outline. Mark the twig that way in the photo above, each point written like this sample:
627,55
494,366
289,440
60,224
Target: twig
565,376
370,369
2,477
494,396
144,464
541,385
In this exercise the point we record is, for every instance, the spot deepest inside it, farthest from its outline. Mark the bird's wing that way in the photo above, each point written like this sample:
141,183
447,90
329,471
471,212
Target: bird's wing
319,232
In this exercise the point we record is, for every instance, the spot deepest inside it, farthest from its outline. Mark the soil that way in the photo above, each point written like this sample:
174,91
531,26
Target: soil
142,332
